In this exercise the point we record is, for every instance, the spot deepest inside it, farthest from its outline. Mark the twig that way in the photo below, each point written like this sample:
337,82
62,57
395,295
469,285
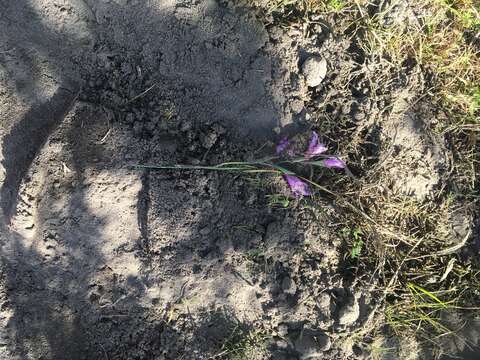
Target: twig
182,292
106,135
141,94
454,248
237,274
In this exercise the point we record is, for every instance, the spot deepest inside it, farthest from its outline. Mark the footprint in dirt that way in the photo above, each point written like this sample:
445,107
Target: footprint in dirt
99,260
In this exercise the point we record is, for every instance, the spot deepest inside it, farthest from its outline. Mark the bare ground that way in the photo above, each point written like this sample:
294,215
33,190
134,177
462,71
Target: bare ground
102,260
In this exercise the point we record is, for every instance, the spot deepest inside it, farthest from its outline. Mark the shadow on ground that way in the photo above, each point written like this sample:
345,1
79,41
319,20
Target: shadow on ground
97,257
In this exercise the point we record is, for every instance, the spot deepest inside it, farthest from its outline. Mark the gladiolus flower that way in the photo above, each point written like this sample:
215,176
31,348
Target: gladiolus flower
334,163
315,148
297,186
282,145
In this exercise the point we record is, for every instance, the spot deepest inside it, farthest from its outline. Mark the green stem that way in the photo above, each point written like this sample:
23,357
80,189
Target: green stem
190,167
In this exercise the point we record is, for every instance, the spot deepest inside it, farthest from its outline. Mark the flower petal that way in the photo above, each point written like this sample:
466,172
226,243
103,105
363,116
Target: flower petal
298,187
315,148
282,145
334,162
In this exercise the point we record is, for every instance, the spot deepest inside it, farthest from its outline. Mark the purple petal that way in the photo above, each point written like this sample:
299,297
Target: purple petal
334,162
282,145
315,148
298,187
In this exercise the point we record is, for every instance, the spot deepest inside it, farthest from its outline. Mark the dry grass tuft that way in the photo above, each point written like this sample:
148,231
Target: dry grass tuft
410,247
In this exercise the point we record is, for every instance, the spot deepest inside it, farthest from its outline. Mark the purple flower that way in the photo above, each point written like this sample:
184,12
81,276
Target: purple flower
315,148
282,145
298,187
334,162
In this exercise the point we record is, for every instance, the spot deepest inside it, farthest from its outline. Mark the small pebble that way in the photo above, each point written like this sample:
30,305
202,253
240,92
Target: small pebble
349,313
314,69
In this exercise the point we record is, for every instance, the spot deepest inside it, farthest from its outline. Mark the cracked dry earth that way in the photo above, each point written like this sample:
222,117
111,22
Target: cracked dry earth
101,260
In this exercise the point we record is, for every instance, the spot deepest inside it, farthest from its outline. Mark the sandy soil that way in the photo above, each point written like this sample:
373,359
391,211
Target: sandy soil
101,260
